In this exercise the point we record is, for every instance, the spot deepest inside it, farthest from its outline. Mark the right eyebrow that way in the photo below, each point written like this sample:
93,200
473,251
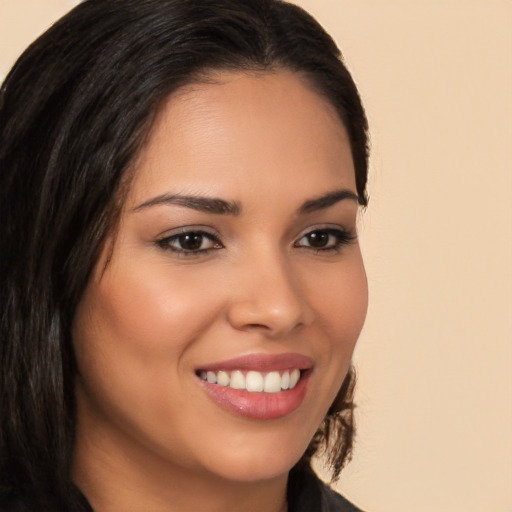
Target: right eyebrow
329,199
200,203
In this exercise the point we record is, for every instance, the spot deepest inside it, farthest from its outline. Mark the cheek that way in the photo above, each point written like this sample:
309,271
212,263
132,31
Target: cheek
131,334
340,299
339,295
148,311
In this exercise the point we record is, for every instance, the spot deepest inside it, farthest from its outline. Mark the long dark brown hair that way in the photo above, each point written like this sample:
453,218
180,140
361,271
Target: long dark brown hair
74,112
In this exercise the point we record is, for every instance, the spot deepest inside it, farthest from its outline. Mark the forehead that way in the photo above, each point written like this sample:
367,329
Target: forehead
246,131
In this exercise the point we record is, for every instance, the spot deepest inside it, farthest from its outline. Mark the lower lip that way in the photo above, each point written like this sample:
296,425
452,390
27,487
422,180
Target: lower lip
259,406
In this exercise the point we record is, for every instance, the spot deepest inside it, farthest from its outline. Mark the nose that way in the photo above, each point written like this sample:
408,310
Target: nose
269,298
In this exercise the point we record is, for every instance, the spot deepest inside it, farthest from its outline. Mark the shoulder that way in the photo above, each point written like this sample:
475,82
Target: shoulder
334,502
307,493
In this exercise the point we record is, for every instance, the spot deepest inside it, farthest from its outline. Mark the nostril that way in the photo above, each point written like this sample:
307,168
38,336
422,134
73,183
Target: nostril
257,326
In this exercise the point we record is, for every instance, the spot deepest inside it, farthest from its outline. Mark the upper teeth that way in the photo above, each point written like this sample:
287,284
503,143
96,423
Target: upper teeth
253,381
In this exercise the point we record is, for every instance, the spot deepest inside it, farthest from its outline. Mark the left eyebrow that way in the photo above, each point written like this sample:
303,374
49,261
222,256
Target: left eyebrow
326,200
203,204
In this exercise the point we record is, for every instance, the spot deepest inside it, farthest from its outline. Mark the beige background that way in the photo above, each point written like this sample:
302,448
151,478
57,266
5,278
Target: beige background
435,357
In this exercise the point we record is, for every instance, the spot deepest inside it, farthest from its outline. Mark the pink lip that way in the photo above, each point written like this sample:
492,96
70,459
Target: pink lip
260,406
262,363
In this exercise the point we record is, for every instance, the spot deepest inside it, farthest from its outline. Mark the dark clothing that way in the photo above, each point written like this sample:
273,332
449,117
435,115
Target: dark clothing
307,493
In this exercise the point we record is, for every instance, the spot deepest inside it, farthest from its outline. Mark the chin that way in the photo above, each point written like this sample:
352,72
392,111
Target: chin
256,470
259,457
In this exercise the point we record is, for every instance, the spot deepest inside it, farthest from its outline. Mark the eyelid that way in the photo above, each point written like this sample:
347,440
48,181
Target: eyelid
327,227
193,228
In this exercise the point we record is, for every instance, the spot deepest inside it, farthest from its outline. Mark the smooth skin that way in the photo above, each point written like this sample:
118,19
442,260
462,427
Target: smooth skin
188,285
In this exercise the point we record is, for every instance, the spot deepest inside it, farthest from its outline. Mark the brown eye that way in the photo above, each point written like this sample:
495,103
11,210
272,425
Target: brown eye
318,238
190,242
325,239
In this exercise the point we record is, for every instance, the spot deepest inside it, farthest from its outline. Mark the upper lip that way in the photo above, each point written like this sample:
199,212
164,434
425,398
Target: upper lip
262,362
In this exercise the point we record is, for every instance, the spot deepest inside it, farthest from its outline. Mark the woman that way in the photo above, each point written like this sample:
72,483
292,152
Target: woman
182,287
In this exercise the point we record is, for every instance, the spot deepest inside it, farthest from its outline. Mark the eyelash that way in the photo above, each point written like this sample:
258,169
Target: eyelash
166,243
341,237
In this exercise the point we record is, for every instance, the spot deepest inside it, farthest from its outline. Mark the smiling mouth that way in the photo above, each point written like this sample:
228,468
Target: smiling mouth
258,386
253,381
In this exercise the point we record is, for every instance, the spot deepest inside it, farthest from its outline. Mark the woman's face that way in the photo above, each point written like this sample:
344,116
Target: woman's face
235,265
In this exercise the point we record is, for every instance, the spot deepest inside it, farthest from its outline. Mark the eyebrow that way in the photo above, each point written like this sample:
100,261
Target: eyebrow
326,200
222,207
203,204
